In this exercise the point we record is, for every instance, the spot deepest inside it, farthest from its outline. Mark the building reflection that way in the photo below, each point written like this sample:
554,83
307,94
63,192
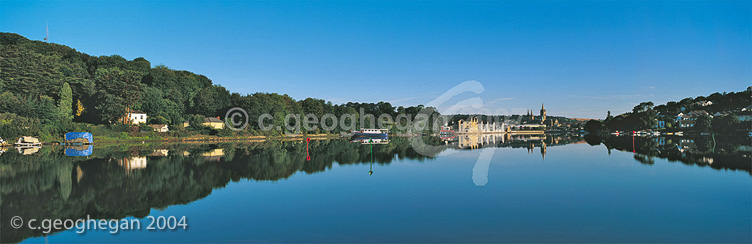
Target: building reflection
475,141
372,140
214,155
160,153
133,163
530,142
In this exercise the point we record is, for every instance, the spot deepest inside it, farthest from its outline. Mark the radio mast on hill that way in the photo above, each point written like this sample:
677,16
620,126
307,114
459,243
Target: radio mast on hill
47,37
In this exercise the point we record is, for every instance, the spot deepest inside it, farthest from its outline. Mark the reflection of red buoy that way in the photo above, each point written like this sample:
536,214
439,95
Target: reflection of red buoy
308,156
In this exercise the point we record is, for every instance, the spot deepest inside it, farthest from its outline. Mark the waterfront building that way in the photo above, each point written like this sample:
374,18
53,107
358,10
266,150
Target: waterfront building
215,123
136,117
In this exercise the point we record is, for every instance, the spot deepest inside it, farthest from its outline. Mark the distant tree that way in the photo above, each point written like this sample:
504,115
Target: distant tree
152,102
79,108
65,104
158,120
593,126
703,123
211,100
45,109
729,124
642,107
118,92
195,122
111,108
609,117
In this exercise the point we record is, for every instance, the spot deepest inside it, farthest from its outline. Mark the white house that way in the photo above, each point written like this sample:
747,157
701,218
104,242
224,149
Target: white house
137,117
160,128
689,119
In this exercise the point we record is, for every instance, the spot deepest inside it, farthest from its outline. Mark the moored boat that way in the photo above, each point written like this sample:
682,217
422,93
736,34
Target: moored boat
28,141
371,133
79,138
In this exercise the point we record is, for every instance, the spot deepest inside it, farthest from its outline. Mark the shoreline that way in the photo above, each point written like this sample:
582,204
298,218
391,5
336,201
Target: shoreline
198,139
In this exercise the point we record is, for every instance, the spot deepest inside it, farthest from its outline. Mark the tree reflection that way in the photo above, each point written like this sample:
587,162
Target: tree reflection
116,182
727,153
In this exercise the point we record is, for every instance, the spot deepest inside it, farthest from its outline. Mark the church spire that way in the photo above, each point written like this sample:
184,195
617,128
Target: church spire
542,114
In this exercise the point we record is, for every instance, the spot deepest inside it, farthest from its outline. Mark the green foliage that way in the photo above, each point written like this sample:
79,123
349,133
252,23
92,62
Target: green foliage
13,126
721,102
145,127
211,100
195,122
65,104
645,115
158,120
703,123
593,126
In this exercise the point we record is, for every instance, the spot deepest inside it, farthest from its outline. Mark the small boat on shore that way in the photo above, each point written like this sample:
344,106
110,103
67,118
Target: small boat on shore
28,141
78,138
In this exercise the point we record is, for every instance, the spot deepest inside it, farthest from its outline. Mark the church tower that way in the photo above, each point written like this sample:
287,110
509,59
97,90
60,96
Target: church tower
543,114
530,115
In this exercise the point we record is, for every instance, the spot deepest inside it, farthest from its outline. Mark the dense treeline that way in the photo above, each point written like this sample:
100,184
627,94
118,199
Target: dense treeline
57,86
646,115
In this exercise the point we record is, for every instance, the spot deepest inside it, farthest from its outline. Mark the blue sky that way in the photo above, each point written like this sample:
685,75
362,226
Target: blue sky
579,58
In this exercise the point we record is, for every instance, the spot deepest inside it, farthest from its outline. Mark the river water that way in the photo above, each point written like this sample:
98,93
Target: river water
484,189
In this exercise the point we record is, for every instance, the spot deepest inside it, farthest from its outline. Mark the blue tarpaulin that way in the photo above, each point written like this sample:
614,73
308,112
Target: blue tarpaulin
79,153
75,135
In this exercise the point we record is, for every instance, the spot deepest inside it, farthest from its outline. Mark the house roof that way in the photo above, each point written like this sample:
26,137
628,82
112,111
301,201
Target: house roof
137,112
212,120
157,126
693,114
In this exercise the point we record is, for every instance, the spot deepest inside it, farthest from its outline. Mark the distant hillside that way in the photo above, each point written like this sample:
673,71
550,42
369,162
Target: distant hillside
716,102
731,110
33,72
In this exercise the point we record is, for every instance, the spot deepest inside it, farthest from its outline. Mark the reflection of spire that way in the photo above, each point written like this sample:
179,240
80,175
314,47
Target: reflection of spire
370,171
543,149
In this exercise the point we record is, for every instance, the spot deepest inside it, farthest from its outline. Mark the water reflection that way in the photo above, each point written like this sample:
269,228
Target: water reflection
371,140
79,151
28,150
727,153
118,181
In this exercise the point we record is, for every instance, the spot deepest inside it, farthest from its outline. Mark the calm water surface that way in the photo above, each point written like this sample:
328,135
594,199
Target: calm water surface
521,190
